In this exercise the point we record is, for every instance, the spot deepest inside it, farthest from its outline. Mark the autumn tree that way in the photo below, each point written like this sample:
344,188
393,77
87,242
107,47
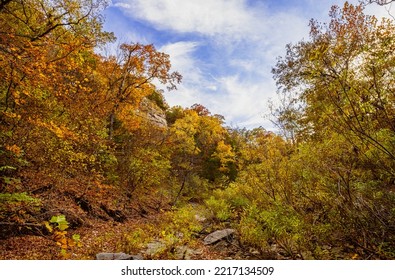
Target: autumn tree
343,79
129,77
324,189
49,130
200,149
44,47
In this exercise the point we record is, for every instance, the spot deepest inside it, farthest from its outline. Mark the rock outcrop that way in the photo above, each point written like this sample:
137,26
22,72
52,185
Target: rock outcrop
152,113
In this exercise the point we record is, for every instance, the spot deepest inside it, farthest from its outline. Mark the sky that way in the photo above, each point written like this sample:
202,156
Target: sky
224,49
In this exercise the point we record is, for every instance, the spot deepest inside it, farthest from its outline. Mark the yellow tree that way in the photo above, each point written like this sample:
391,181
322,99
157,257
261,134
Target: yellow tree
42,44
129,77
46,68
343,79
200,148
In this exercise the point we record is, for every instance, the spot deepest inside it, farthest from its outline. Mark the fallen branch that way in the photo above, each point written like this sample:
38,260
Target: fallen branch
18,224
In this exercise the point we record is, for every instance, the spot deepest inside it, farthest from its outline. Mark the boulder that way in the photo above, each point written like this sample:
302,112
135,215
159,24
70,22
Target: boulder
218,236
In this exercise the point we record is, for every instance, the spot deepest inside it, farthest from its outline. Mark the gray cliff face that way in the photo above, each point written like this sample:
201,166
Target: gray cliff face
152,113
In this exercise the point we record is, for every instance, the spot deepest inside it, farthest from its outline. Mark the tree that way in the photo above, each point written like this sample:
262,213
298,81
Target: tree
199,147
129,78
49,134
343,79
46,54
379,2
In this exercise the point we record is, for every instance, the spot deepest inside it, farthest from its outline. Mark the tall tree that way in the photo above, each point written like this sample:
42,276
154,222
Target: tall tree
129,79
344,81
343,78
199,146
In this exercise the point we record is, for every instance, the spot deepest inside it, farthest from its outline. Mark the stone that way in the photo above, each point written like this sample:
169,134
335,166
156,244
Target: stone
155,247
138,257
218,235
186,253
157,118
199,218
152,113
117,256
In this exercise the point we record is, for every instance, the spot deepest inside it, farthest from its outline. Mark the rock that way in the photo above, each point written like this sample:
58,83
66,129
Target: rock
157,118
218,235
199,218
138,257
155,247
117,256
152,113
186,253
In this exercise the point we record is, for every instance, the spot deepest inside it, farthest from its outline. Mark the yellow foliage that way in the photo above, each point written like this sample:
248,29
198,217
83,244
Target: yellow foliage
14,149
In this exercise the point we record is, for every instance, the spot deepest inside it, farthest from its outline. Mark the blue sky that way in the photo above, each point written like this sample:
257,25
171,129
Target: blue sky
224,49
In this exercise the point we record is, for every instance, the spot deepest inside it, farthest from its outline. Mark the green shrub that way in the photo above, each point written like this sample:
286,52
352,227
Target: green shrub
219,208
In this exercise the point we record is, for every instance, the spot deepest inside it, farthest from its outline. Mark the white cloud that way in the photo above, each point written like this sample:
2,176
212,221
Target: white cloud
182,60
247,42
241,43
195,86
206,17
244,102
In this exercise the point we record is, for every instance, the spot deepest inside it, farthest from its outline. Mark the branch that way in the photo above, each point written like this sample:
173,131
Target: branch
21,225
378,2
3,3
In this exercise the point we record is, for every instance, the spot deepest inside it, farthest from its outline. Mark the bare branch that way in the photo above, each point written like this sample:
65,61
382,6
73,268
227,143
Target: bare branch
378,2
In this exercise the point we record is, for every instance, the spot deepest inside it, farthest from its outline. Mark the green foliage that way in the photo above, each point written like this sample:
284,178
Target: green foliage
183,220
220,208
107,163
158,99
251,229
18,198
178,228
159,239
133,241
200,150
337,114
5,168
196,187
60,222
148,168
18,207
57,225
173,114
